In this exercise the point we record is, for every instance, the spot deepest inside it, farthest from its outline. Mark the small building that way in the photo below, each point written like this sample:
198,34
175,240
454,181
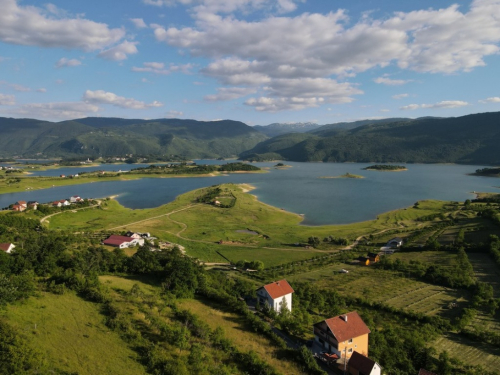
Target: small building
343,334
395,242
275,295
22,204
33,205
17,207
362,365
62,176
133,235
75,199
374,257
364,261
56,204
123,241
7,247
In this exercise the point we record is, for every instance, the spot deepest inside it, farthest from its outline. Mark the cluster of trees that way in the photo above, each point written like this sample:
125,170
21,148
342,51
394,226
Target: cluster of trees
488,172
385,167
336,240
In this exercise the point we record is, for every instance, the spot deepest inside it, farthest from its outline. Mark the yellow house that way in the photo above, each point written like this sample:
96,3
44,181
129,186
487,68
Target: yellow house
342,335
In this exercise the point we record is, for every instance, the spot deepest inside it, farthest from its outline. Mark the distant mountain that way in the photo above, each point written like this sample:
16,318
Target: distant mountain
98,136
329,129
471,139
277,128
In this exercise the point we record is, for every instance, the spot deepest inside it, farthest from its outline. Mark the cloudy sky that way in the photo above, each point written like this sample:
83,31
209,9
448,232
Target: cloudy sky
257,61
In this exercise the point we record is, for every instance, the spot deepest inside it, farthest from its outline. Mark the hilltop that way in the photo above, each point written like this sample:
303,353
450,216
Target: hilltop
470,139
99,136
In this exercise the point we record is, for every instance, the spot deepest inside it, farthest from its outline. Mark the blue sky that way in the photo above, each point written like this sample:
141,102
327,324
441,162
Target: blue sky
256,61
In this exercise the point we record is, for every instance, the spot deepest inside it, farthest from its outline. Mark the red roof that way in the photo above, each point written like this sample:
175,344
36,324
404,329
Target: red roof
278,289
21,202
114,240
425,372
347,326
5,246
361,363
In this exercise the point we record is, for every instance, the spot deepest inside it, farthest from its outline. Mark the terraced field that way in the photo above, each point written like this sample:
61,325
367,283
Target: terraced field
469,352
486,270
389,287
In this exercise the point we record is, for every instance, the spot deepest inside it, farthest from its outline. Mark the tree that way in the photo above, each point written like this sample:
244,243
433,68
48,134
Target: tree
313,241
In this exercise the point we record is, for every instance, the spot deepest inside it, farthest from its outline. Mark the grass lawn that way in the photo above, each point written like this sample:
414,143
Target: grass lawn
440,258
73,334
239,333
470,352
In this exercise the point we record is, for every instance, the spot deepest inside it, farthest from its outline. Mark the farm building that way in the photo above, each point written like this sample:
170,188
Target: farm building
275,295
342,334
7,247
395,242
374,257
362,365
364,261
122,241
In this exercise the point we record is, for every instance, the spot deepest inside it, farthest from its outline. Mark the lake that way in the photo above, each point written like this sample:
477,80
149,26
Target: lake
297,189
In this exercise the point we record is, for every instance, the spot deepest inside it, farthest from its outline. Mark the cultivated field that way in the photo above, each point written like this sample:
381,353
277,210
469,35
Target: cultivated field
469,352
388,287
486,270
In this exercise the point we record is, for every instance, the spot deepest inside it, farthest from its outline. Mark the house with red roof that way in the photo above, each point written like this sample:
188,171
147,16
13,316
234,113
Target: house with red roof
342,335
122,241
7,247
75,199
21,203
360,364
17,207
275,295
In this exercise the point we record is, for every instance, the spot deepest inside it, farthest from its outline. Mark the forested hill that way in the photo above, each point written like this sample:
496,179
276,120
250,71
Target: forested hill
96,136
471,139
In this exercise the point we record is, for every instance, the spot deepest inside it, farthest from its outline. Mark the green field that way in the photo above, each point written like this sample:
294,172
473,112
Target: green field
469,352
72,334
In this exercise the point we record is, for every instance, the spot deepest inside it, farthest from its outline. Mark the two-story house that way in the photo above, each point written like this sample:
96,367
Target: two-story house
342,335
275,295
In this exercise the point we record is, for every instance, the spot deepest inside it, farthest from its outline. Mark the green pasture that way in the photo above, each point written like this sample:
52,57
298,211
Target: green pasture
73,336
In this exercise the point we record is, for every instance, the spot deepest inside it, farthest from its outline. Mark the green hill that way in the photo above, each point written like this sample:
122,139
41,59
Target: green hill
471,139
115,136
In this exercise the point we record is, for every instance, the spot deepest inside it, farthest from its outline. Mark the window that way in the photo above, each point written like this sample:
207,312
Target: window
350,341
350,350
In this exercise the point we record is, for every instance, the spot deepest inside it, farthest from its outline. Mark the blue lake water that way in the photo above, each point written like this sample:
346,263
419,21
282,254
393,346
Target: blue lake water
298,189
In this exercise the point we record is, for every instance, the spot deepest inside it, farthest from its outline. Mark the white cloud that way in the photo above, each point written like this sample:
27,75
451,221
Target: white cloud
266,104
230,93
103,97
119,52
173,114
494,99
400,96
64,62
264,52
439,105
159,68
7,99
139,23
41,89
56,111
30,26
385,110
390,82
20,88
230,6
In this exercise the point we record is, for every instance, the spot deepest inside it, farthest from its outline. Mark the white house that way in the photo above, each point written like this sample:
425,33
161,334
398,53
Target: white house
75,199
362,365
122,241
7,247
275,295
395,242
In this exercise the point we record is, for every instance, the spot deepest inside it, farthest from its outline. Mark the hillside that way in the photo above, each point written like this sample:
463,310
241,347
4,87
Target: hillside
471,139
275,129
116,136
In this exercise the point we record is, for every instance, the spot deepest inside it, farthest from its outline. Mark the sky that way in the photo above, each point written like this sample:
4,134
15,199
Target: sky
255,61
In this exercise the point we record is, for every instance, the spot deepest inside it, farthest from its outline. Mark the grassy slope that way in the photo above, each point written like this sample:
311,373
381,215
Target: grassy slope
72,333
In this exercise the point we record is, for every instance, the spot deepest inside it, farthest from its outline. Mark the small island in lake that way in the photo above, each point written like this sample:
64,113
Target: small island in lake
346,175
386,168
488,172
282,166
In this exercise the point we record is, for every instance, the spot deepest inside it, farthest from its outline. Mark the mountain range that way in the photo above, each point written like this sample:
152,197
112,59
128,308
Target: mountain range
96,136
471,139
